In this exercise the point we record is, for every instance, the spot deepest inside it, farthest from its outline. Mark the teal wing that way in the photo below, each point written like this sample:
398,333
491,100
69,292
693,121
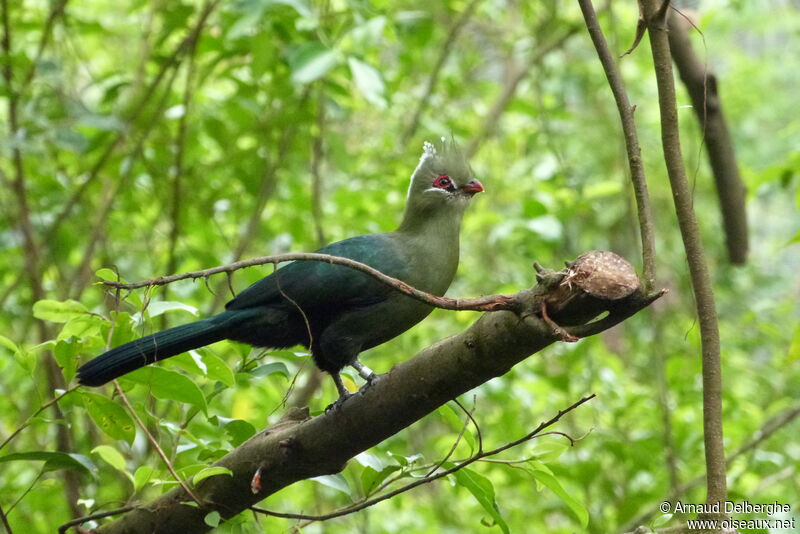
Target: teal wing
318,285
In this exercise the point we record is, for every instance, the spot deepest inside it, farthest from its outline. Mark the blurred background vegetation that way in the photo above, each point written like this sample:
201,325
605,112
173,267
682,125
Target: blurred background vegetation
156,137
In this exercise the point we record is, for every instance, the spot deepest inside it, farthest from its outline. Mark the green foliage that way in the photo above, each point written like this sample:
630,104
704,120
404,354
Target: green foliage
142,157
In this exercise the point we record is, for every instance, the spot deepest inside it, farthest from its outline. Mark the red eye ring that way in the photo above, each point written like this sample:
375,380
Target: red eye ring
443,182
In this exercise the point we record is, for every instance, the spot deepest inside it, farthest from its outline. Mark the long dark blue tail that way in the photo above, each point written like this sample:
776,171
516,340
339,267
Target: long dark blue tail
131,356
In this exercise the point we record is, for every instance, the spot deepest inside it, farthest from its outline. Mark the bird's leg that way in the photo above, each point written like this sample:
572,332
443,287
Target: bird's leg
343,393
365,372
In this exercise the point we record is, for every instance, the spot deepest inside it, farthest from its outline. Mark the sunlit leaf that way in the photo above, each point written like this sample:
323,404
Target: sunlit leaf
310,61
53,460
368,80
210,472
337,482
58,312
482,489
166,384
109,416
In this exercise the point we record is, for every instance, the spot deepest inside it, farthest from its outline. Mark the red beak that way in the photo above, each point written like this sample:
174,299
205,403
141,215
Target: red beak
472,187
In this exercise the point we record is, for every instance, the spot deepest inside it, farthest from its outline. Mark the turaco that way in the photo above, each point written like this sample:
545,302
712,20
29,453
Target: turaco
346,311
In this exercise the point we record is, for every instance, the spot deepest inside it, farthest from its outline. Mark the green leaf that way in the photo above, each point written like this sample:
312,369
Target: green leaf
110,417
337,482
369,460
111,456
142,476
543,475
271,368
310,61
794,345
7,343
371,479
83,326
239,431
661,520
217,369
368,81
482,489
212,519
302,7
107,274
210,472
207,364
66,353
53,460
58,312
166,384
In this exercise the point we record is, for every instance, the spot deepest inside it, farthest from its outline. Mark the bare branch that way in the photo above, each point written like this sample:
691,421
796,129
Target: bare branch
299,447
490,303
428,479
154,443
99,515
635,162
704,92
701,281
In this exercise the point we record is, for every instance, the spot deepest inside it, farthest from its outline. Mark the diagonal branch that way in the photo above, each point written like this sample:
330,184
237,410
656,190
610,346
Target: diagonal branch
298,447
441,474
509,89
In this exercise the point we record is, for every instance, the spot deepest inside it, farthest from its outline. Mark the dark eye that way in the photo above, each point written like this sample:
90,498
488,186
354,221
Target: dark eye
443,182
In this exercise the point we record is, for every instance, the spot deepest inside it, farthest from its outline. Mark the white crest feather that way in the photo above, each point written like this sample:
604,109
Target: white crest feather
428,151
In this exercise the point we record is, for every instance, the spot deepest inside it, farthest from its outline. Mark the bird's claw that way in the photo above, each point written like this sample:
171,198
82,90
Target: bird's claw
371,380
337,404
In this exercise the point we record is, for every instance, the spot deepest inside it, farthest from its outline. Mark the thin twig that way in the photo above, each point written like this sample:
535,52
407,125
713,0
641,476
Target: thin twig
488,303
625,109
433,78
509,89
42,408
47,32
317,155
698,270
170,62
99,515
179,161
4,519
766,431
155,444
447,456
427,480
474,422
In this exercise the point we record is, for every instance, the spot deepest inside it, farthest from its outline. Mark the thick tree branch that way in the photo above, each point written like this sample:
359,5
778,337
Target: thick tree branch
655,14
702,87
299,448
631,141
434,475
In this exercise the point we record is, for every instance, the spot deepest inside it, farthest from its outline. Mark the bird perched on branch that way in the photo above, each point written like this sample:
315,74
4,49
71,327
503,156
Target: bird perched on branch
334,310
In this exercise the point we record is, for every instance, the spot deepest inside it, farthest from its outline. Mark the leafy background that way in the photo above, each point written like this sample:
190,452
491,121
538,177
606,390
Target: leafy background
287,124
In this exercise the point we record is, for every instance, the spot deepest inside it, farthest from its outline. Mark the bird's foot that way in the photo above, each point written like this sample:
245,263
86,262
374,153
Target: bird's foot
372,379
336,405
